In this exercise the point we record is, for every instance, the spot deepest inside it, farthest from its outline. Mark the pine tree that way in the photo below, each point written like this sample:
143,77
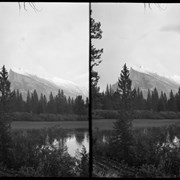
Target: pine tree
178,100
171,102
79,107
95,33
155,99
51,106
161,103
34,98
122,139
5,118
149,101
5,92
28,105
124,89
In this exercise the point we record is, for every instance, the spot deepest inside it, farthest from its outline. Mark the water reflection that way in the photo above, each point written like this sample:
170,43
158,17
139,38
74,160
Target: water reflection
74,142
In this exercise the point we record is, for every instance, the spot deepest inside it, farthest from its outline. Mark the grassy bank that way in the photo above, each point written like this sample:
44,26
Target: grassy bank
107,124
41,125
137,114
24,116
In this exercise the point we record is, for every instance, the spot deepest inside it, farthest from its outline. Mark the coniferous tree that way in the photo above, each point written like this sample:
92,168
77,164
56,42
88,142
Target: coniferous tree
124,89
40,108
121,140
79,107
171,102
161,103
28,106
165,102
51,106
149,101
95,33
178,100
155,99
5,118
34,99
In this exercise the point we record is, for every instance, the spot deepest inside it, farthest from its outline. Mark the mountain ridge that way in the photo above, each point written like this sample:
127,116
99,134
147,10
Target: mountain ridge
145,80
26,81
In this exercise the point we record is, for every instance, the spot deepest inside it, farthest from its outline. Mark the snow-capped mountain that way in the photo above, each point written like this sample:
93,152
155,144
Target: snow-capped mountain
145,79
25,81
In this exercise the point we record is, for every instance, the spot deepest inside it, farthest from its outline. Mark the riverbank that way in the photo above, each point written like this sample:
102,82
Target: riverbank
45,124
107,124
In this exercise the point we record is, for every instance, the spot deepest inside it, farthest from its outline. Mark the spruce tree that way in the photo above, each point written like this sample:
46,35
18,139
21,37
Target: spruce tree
121,140
28,104
155,99
95,33
124,89
178,100
149,101
5,118
171,102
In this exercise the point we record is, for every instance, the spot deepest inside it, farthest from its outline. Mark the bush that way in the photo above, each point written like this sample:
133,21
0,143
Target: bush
105,114
150,171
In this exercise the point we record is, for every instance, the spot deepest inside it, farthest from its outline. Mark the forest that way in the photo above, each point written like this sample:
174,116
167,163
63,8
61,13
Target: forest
153,102
58,104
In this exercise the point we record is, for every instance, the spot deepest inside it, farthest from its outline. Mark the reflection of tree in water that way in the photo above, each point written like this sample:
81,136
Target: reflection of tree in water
79,137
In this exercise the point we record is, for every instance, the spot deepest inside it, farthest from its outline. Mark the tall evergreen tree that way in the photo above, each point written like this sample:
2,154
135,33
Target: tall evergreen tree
34,99
149,101
155,99
161,103
51,106
122,139
178,100
5,118
28,106
95,33
124,89
79,107
171,102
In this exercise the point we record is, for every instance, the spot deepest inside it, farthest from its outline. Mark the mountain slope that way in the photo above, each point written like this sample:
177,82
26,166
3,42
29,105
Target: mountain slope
26,81
148,80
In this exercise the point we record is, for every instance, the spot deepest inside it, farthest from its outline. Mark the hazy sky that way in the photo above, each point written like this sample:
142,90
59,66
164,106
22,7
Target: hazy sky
53,42
138,37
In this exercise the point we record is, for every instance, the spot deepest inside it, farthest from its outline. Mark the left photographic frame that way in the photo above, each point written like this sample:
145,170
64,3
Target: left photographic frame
44,89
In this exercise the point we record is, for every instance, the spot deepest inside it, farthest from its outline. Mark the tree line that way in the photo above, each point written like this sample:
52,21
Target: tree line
58,104
154,101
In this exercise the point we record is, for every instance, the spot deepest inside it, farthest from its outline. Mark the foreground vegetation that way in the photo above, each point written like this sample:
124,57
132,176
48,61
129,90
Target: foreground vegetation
33,154
155,152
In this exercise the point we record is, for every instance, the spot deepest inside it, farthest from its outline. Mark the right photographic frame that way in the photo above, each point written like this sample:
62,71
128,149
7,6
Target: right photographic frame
135,89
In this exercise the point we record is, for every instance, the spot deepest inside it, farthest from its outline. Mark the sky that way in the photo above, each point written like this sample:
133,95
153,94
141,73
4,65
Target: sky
138,36
52,42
